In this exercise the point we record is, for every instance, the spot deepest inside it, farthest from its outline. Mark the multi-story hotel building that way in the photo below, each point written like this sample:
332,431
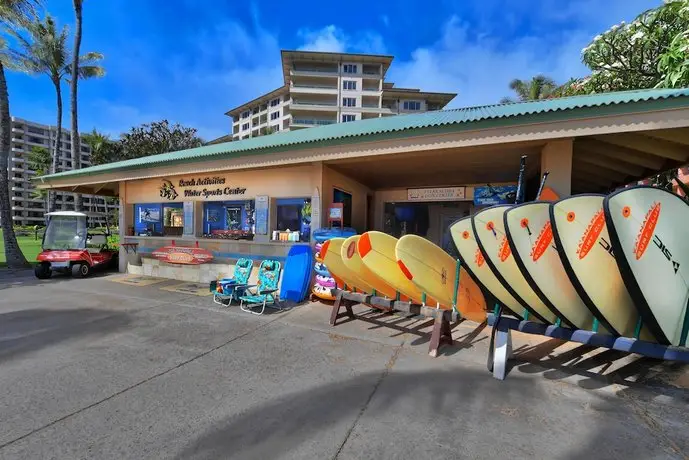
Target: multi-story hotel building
325,88
28,209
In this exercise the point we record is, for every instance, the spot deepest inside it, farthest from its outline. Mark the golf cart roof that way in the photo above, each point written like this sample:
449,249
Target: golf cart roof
66,214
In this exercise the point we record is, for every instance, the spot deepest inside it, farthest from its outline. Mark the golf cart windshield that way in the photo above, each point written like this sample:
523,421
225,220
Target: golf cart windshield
65,232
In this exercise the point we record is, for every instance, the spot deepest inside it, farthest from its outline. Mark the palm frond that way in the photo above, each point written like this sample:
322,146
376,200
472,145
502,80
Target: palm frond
19,12
91,71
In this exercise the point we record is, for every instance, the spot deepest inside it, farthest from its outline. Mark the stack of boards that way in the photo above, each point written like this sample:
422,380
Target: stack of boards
324,282
613,264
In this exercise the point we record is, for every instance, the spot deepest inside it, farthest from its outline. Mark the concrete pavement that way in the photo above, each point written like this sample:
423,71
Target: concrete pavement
96,369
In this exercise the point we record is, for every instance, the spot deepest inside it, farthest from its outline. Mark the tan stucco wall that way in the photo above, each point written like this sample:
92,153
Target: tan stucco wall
556,158
333,179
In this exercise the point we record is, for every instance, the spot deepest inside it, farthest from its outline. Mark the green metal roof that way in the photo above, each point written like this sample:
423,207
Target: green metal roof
411,125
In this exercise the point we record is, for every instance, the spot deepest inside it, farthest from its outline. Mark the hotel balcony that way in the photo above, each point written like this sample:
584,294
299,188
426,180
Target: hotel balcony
321,104
310,85
313,71
298,123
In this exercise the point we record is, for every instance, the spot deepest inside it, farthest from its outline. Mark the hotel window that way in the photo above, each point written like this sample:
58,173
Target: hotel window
275,128
230,220
346,118
275,102
349,84
349,68
246,114
159,219
411,105
293,219
349,102
275,115
245,126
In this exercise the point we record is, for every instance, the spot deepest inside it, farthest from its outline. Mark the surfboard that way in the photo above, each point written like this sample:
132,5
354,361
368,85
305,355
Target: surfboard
435,272
489,229
350,257
331,253
475,264
581,237
297,273
377,252
648,233
530,235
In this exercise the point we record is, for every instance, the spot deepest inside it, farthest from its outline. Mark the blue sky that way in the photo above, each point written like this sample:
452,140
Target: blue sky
174,59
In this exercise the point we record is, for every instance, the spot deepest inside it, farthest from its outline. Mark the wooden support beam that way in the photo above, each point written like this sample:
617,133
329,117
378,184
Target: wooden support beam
589,169
616,152
609,163
647,144
677,135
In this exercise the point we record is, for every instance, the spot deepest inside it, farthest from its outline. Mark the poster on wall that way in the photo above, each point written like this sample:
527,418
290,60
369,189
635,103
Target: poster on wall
149,214
490,195
188,218
213,215
262,215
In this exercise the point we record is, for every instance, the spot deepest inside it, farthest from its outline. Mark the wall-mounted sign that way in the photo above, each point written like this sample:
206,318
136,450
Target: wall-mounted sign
262,215
436,194
195,188
494,194
149,214
182,255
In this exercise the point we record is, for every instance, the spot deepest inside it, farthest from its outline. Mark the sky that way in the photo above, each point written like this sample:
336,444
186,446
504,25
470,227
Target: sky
190,61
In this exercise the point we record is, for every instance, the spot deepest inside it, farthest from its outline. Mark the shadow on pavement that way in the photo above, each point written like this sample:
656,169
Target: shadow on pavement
26,331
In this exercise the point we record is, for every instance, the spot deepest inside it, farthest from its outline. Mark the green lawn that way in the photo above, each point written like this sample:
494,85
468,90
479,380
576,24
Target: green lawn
30,247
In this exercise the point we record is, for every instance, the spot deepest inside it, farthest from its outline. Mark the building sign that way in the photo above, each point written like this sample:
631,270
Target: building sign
183,255
199,188
436,194
494,194
262,215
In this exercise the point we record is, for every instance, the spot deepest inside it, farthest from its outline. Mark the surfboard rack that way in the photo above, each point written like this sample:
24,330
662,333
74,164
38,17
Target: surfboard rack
497,361
442,333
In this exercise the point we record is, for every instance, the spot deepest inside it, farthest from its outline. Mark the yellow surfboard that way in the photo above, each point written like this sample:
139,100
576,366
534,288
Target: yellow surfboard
331,254
434,271
475,263
350,257
377,252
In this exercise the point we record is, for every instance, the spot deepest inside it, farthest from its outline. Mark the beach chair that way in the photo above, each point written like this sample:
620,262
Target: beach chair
263,294
228,289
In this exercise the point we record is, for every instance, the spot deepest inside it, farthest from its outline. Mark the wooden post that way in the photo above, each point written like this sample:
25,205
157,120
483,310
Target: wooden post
339,300
442,333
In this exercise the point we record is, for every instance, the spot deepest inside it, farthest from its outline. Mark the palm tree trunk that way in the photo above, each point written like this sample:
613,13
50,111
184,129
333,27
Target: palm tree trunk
58,141
76,143
13,254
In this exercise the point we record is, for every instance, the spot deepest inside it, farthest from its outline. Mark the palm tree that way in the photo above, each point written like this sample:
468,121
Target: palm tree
13,13
539,87
39,162
76,145
45,51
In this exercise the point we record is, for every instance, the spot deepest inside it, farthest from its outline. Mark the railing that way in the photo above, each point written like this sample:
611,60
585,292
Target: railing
314,86
329,104
297,121
313,69
370,106
371,72
371,89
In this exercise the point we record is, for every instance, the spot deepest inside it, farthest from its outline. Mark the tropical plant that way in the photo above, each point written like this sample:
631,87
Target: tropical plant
539,87
103,149
45,51
13,13
157,137
40,162
673,64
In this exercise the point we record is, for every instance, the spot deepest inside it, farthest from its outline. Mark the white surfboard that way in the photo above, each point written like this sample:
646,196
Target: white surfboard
530,235
582,240
489,230
472,259
648,232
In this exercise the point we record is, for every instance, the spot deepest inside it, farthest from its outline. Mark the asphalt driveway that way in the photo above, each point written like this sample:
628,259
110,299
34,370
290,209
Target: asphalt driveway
96,369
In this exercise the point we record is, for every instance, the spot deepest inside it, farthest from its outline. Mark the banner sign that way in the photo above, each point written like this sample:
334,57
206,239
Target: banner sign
196,188
494,194
436,194
183,255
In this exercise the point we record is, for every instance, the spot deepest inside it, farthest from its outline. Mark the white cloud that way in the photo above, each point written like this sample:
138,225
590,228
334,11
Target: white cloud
328,39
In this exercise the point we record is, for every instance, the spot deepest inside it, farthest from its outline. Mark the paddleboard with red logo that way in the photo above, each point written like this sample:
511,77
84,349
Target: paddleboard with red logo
475,264
183,255
582,241
648,233
530,234
489,230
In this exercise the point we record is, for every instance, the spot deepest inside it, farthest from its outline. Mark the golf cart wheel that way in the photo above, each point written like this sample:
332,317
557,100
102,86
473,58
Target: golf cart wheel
42,271
81,270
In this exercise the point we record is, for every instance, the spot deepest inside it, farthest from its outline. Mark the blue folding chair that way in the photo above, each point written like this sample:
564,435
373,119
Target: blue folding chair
263,294
228,289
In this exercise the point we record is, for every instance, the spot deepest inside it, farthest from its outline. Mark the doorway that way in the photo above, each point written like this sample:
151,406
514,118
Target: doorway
340,196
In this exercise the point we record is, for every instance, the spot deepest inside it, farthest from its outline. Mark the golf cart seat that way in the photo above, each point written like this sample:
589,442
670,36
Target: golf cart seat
96,243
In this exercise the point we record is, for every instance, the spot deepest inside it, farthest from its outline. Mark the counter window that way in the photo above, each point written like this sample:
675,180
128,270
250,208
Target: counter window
158,219
229,219
293,219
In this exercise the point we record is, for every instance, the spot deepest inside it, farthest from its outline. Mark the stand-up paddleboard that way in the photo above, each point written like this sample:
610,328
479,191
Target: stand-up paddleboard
475,264
648,232
296,275
377,252
582,240
530,235
331,253
351,258
441,276
489,230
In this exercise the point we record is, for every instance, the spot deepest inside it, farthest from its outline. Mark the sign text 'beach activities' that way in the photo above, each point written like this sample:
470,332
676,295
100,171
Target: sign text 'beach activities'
195,188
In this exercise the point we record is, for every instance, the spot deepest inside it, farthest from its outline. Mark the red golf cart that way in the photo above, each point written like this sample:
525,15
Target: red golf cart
68,247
